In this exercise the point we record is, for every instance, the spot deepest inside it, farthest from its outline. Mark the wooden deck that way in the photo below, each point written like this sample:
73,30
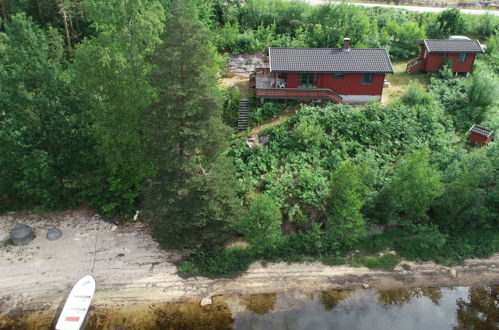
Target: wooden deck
299,94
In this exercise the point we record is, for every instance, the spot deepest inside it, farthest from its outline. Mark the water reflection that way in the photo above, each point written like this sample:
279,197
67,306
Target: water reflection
329,299
400,297
422,308
166,316
259,303
481,311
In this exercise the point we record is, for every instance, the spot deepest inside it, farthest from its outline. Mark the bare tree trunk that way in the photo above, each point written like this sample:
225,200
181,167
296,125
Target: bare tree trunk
65,19
39,10
4,10
77,22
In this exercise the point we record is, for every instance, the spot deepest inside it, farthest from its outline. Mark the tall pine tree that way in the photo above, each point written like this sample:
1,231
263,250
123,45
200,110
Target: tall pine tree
192,202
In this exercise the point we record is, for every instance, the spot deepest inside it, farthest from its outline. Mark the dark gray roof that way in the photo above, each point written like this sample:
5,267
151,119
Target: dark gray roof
452,46
374,60
480,130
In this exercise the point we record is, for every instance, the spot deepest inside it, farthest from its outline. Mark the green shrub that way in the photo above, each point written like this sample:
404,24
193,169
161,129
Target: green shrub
216,262
231,106
421,242
414,186
261,225
262,112
343,204
386,262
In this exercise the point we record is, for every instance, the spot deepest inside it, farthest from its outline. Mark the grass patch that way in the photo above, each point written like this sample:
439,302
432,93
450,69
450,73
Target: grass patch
333,260
406,267
399,81
229,263
385,262
7,243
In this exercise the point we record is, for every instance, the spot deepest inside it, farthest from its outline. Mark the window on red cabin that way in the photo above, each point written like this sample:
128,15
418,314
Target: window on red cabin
442,55
338,75
308,80
462,57
367,79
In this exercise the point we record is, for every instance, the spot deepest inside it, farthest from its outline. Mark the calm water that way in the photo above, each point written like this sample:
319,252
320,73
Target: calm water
426,309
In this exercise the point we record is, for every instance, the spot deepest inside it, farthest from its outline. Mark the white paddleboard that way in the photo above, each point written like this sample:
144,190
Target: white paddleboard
76,306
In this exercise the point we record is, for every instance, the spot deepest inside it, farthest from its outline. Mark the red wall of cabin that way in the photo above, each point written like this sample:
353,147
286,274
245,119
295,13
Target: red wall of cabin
349,85
292,80
434,62
480,139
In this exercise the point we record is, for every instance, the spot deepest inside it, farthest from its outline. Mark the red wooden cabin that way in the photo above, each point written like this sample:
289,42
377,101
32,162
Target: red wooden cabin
323,74
480,135
434,52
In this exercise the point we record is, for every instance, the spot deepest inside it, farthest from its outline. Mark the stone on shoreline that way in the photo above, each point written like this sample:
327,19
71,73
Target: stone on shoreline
453,273
54,233
205,301
21,234
365,285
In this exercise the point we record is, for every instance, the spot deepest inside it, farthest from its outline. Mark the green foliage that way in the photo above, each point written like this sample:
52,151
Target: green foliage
466,204
346,197
488,25
46,147
231,106
112,71
335,22
483,90
216,262
420,242
415,94
412,189
386,262
261,112
261,225
405,38
448,22
310,133
296,216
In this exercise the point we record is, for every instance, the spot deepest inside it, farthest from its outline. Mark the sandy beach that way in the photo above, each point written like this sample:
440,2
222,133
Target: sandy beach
130,268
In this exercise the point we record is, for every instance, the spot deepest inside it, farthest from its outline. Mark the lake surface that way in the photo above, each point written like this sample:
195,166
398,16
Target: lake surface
426,308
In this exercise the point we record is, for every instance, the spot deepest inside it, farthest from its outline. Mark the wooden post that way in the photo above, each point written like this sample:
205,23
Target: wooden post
68,39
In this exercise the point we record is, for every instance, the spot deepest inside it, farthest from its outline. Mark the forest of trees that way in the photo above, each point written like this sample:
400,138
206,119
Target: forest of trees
116,103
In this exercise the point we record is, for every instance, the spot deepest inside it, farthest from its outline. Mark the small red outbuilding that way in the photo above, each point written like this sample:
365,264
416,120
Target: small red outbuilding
480,135
434,52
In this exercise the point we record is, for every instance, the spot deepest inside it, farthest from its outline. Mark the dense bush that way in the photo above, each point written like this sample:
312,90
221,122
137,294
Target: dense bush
343,203
259,24
409,194
261,225
231,106
262,112
217,262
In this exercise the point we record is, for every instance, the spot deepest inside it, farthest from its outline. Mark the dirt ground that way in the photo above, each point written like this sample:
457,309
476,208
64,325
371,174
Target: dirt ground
130,268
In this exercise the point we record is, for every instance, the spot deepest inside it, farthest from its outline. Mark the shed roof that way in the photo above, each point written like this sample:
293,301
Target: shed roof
480,130
452,46
371,60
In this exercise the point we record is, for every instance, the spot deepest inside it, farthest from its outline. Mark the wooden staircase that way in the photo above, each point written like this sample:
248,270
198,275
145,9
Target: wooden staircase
243,115
415,65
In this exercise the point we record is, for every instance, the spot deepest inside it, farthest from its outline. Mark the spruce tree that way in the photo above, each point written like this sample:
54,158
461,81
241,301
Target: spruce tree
192,201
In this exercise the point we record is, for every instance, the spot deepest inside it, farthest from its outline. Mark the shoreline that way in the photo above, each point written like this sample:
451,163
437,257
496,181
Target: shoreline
130,269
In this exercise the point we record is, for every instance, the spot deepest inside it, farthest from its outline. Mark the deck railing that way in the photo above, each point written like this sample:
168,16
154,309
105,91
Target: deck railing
299,93
262,70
